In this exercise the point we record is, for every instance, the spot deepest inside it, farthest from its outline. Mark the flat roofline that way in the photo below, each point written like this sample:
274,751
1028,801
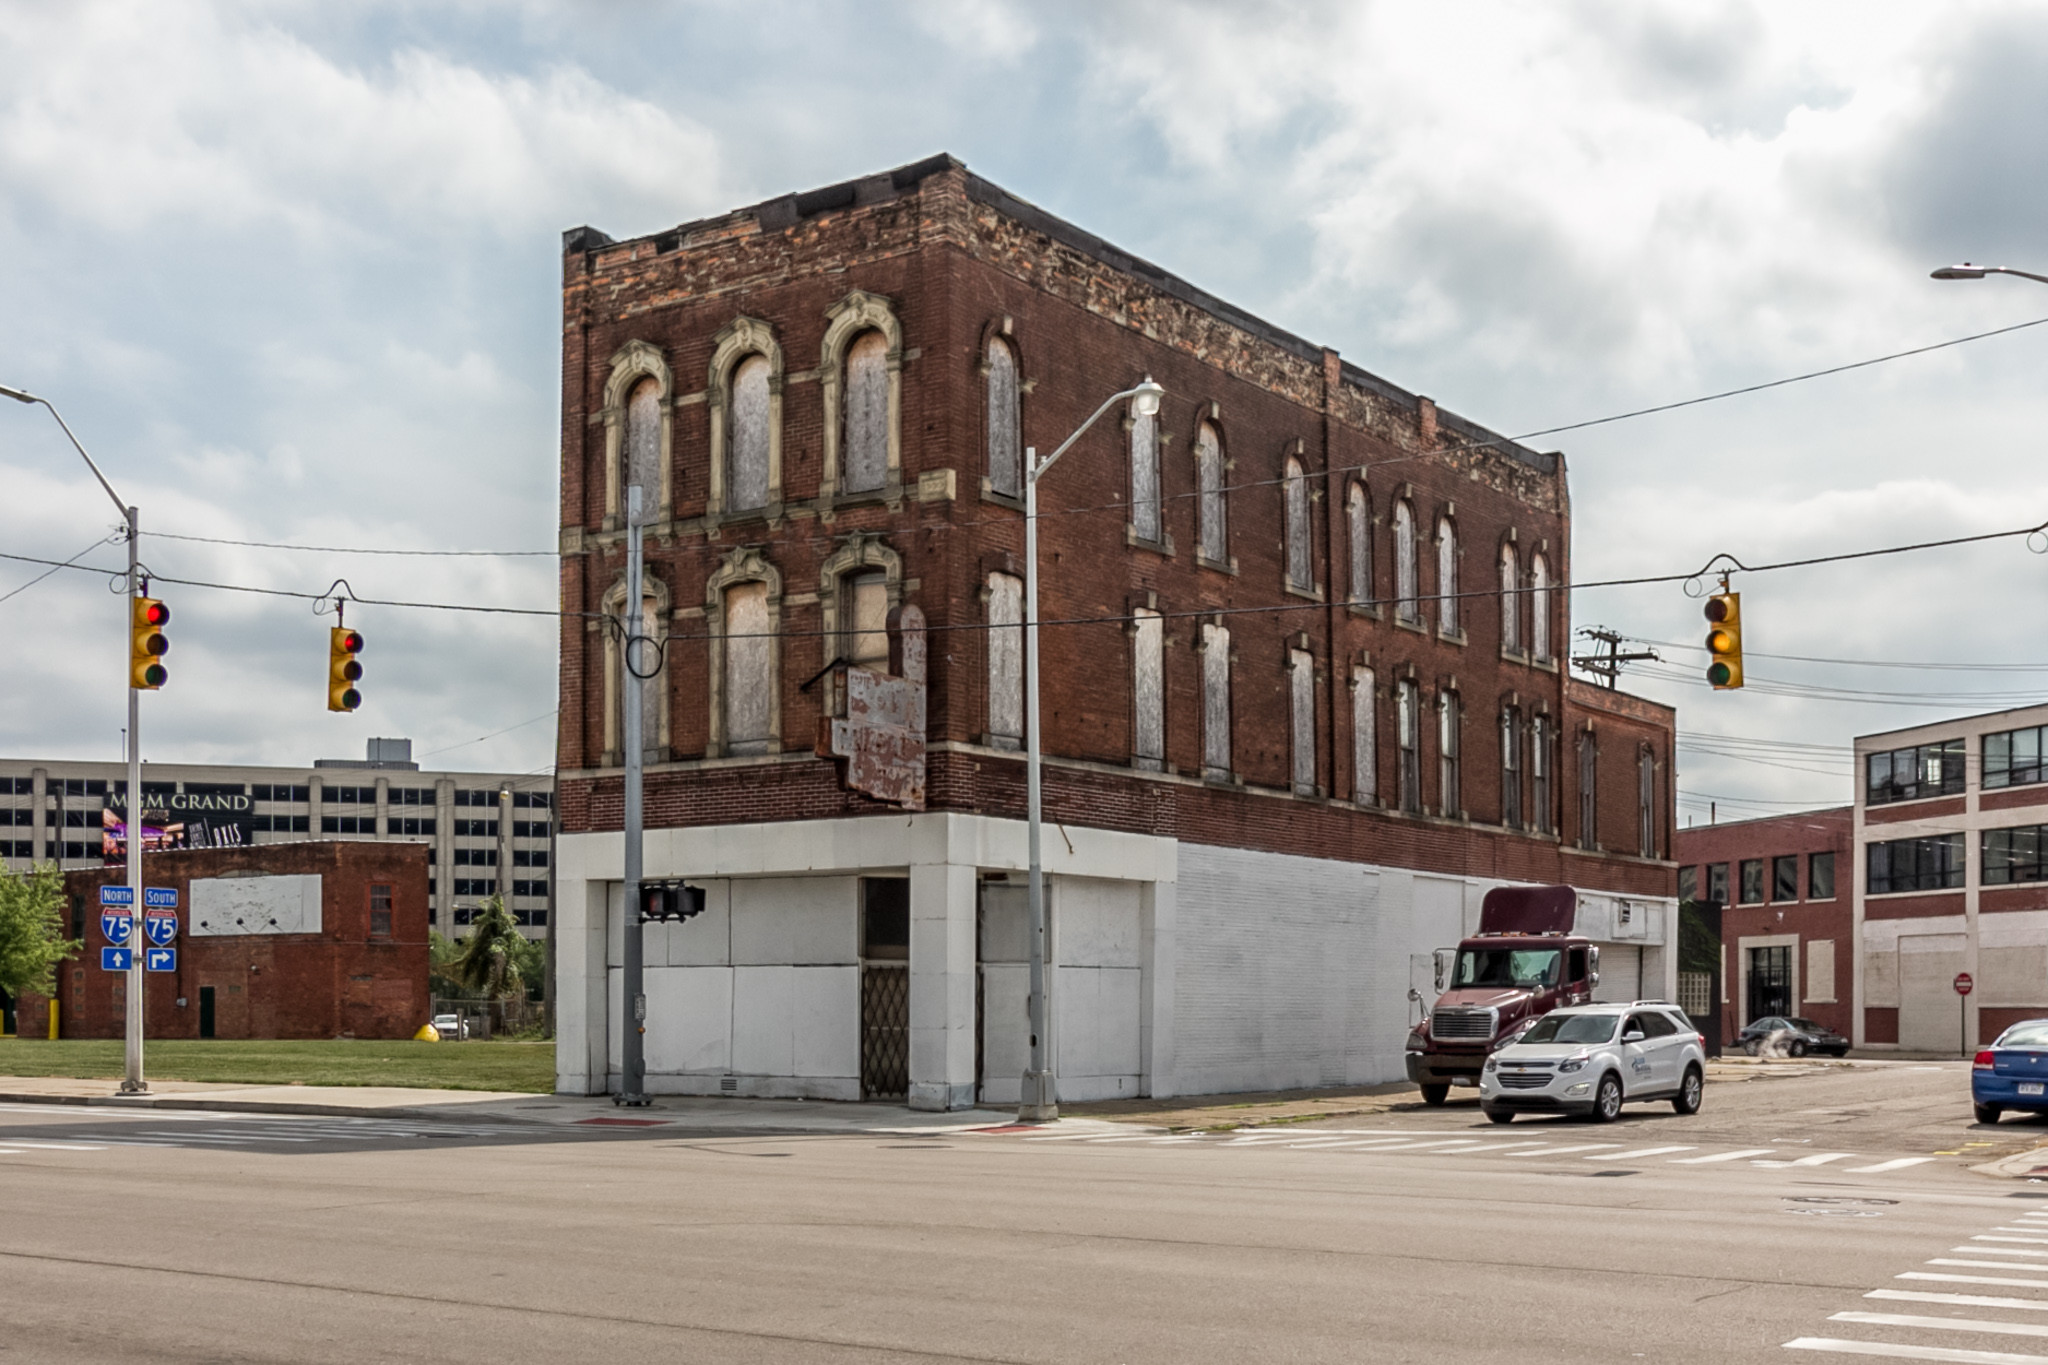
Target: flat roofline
1845,812
118,768
1978,720
786,210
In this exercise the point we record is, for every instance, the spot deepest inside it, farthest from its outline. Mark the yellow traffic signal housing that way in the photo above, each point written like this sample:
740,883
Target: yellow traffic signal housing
343,669
147,644
1724,640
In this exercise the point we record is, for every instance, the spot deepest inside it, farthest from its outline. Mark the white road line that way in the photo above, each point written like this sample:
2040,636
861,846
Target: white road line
1898,1164
1351,1144
56,1146
1989,1265
2026,1229
1064,1137
1637,1154
2010,1329
2030,1241
9,1151
1817,1159
1973,1279
1997,1251
132,1142
1140,1137
1960,1300
1505,1147
1422,1146
1724,1156
1899,1352
1587,1147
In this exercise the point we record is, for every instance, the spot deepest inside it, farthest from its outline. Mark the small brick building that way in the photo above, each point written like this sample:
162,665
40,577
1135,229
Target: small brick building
310,940
1785,884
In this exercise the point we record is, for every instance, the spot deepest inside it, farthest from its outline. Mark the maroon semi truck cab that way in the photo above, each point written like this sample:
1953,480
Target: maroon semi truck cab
1524,962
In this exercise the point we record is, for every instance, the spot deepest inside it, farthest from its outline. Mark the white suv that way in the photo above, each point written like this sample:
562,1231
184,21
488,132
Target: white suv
1590,1059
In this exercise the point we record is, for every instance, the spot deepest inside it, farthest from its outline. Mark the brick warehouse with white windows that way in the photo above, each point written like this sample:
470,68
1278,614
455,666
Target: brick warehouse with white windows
1952,853
1304,698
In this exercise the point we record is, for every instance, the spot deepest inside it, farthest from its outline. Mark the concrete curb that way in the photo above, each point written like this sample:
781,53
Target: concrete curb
257,1107
2030,1164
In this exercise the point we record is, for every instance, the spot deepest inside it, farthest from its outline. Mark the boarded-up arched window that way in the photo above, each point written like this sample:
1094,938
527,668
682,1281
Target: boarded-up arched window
640,452
746,478
1408,740
1539,608
1300,573
1447,576
1510,600
1145,477
864,617
1216,702
1301,713
1358,525
1511,766
1005,441
1406,607
1148,689
1365,739
1005,660
749,689
1209,485
866,458
1450,728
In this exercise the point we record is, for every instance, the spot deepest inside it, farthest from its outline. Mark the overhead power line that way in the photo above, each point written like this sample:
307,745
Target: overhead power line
352,549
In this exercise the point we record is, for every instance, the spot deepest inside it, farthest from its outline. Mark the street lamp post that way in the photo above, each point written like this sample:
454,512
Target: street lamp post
632,959
1039,1099
132,1082
1966,271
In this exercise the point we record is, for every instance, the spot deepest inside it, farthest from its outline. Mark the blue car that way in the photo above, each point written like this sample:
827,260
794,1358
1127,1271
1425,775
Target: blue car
2012,1073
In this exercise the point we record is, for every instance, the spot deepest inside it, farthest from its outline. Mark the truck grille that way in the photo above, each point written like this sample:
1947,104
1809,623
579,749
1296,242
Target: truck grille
1461,1024
1520,1080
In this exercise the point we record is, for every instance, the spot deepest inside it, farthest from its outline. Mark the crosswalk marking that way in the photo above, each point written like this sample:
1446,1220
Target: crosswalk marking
2030,1241
1584,1147
1724,1156
1817,1159
1973,1279
1638,1154
1998,1251
56,1146
2010,1329
1896,1164
1936,1353
1988,1265
1959,1300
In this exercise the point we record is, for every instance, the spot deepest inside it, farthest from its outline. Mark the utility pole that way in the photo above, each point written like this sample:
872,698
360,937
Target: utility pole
633,1025
1607,666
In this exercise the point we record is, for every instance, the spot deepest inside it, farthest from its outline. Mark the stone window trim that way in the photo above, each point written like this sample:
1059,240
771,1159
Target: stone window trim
632,362
734,343
846,321
614,602
745,564
1297,651
859,551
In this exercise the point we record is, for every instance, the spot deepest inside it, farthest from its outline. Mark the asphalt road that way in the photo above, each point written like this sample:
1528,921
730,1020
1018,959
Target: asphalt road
1424,1236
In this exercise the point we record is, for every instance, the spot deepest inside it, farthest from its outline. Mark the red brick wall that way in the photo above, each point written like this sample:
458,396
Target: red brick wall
339,982
956,263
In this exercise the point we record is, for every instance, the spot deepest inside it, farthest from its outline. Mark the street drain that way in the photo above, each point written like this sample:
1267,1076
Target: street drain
1835,1199
1837,1213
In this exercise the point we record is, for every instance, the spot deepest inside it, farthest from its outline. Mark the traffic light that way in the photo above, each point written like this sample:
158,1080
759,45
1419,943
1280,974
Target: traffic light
1724,640
148,644
343,669
671,901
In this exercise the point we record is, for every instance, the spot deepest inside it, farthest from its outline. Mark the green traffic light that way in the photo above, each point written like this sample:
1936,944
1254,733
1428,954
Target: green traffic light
1720,674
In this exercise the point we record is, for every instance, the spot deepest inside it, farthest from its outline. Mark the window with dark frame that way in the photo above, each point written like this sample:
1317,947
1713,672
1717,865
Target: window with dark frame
1820,876
2019,854
380,910
1752,881
1785,878
1717,883
1914,773
1511,767
1589,791
2013,758
1933,863
885,918
1688,883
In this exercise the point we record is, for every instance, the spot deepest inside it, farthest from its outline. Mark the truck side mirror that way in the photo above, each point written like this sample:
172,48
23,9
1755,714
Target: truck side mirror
1593,980
1445,959
1593,959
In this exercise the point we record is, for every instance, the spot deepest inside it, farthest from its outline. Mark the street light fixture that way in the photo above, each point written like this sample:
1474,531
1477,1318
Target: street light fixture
1966,271
131,1079
1038,1101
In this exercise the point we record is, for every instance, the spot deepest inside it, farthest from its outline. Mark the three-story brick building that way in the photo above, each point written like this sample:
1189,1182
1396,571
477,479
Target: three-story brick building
1303,677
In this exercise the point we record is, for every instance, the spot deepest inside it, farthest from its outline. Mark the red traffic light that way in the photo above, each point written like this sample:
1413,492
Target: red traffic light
155,613
349,642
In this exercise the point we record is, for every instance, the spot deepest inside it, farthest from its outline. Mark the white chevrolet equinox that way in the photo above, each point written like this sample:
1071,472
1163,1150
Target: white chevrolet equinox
1591,1059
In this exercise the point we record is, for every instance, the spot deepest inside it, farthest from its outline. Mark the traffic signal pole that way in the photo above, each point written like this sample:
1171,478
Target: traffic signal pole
633,987
132,1082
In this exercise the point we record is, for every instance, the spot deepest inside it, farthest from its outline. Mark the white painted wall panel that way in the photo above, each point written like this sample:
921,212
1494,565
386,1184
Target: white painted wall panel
808,920
762,1039
689,1020
825,1021
224,906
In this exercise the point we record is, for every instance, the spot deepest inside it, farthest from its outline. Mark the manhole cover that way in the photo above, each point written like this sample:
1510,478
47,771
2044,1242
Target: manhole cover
1837,1213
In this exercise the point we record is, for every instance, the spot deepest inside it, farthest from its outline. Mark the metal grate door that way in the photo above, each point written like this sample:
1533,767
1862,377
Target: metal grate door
884,1031
1770,982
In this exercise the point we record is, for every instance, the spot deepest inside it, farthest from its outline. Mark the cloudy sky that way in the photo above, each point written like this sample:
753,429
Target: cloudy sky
290,270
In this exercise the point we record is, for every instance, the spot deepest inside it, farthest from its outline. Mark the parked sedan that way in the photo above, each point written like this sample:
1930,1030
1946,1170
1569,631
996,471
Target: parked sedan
2012,1073
1796,1037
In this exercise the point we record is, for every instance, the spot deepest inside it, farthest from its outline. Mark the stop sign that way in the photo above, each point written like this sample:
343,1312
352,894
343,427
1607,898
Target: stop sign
1963,983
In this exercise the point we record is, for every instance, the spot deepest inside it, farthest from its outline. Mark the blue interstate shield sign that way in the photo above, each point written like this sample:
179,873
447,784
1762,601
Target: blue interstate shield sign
161,926
117,925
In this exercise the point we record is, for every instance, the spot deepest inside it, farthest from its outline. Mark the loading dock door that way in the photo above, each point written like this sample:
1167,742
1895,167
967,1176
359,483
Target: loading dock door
1930,1017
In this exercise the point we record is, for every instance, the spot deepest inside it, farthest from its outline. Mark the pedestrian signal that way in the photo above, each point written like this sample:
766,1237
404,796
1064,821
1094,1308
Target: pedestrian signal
670,901
1724,640
148,644
344,670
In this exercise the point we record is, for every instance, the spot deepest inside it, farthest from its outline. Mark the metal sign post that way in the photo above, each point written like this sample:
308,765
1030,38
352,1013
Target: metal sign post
1964,985
632,976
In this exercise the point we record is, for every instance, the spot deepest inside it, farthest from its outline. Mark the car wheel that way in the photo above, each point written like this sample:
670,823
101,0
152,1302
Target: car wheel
1987,1113
1690,1092
1607,1099
1501,1115
1752,1047
1433,1095
1797,1048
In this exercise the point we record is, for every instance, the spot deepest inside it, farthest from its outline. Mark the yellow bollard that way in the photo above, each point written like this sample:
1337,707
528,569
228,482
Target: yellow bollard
427,1034
53,1020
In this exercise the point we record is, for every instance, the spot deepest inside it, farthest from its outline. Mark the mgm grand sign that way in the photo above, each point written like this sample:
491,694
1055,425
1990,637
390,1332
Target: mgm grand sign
177,820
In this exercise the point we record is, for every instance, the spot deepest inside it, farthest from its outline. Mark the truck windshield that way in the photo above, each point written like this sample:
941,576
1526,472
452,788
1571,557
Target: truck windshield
1507,967
1572,1028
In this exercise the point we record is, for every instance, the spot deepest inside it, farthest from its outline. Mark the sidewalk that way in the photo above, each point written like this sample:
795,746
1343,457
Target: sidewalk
684,1112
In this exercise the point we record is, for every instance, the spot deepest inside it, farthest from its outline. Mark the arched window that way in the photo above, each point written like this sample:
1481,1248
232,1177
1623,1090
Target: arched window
1646,802
1005,440
1216,703
746,477
1005,661
1511,766
1510,600
1589,791
1407,606
649,659
1446,576
1300,573
743,609
1209,484
1358,523
1301,702
1408,738
864,619
1539,609
1148,689
1450,724
866,423
1542,800
1145,478
1365,748
640,451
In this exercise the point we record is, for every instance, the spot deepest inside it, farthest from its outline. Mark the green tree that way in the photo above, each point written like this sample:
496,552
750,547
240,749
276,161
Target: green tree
442,955
32,940
496,959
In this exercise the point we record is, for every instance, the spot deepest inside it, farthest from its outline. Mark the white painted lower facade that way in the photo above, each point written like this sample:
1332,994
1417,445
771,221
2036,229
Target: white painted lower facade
1175,968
